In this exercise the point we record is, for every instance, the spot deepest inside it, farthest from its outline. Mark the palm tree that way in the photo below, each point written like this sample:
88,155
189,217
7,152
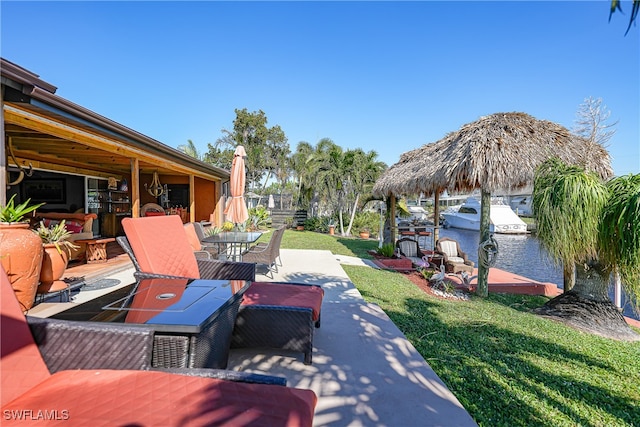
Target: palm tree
595,226
301,163
190,149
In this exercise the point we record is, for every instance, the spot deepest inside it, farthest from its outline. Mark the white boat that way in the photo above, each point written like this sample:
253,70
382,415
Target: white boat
467,217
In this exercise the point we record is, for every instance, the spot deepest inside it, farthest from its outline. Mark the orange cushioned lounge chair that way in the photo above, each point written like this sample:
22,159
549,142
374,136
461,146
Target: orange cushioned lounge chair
31,395
275,315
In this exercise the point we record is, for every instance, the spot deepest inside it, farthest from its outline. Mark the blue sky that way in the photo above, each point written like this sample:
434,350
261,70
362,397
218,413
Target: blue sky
383,76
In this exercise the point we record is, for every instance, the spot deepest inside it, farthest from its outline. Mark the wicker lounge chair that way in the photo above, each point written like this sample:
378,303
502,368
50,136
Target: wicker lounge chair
455,260
410,248
276,315
85,395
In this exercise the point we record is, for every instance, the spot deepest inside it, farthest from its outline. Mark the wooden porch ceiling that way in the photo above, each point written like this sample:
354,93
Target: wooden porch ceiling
47,151
55,142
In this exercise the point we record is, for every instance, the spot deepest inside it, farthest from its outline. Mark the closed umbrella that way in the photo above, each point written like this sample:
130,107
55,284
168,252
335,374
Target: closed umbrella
236,210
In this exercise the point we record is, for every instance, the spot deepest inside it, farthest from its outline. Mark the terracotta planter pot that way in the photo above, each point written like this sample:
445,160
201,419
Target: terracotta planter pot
21,256
54,265
300,227
364,234
332,230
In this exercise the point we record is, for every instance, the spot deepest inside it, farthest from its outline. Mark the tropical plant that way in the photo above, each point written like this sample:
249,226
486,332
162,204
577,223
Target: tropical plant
302,164
213,230
594,226
227,226
387,249
190,149
258,218
366,221
57,235
12,213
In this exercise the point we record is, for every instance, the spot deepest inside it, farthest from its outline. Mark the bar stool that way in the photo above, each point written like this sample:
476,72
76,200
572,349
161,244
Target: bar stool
423,238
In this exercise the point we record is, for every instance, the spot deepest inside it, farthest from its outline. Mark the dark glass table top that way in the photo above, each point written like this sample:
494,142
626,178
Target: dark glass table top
172,305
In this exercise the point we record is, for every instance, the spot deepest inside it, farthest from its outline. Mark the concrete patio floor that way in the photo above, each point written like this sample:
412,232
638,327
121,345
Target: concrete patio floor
365,372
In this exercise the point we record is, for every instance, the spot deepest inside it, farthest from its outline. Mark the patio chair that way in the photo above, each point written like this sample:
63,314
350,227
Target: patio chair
280,315
133,396
265,255
152,209
454,259
410,248
199,250
277,244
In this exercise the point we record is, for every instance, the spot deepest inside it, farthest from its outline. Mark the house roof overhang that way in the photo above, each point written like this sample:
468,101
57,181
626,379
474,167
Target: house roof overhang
50,132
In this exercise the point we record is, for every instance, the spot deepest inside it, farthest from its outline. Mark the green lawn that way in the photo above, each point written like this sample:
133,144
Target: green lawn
506,366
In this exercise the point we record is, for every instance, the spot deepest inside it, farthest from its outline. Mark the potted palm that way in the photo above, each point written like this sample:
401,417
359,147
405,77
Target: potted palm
21,250
55,257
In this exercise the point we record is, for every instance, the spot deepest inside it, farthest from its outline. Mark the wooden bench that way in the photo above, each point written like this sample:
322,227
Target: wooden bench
96,249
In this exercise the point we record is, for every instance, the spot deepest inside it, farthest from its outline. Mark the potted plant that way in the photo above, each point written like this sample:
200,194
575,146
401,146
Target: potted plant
332,227
364,233
21,251
55,257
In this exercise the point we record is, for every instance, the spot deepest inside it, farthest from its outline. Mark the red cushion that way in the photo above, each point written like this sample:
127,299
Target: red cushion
270,293
152,213
161,246
50,222
144,398
22,364
73,227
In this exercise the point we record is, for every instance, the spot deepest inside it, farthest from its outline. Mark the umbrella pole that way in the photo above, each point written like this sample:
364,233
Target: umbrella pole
483,270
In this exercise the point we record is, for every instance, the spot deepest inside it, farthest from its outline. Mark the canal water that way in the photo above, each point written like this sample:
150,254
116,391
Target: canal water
522,255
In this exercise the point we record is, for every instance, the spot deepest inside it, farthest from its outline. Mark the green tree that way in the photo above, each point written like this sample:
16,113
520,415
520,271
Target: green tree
363,171
584,222
329,178
342,180
190,149
219,155
302,169
264,146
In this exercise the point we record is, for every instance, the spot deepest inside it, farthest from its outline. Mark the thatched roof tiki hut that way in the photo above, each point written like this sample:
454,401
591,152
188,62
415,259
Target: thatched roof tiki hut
495,154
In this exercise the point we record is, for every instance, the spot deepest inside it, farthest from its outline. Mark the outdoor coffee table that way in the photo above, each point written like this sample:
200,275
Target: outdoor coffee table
192,320
96,249
233,242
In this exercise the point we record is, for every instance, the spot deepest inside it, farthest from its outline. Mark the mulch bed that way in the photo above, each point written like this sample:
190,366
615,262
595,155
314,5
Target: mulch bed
417,279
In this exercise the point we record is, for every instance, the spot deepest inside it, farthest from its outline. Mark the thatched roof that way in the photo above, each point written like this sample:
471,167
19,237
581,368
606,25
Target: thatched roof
496,153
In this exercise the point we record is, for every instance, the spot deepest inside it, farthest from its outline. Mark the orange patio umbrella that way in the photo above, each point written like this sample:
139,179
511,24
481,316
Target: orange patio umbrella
236,210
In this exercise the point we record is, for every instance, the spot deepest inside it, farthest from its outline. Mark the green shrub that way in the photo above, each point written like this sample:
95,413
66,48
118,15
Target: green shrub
388,250
258,218
366,221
